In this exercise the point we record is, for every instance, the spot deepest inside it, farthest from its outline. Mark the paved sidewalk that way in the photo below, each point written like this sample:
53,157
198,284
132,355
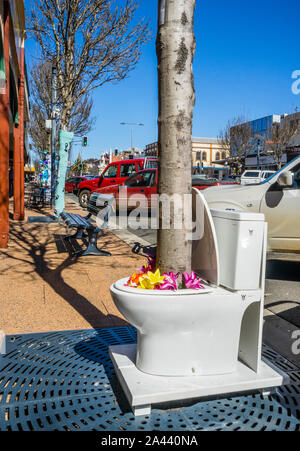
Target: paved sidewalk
43,289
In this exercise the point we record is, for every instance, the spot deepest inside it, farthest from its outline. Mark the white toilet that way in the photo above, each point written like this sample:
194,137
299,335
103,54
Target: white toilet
204,333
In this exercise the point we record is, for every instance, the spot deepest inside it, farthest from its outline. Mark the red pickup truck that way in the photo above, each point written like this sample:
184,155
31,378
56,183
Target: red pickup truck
145,182
114,174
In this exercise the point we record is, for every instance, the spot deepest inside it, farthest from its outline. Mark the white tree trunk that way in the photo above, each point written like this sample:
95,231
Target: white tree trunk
175,52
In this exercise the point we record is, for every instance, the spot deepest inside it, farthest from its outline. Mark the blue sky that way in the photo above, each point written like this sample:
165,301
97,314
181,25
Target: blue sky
246,54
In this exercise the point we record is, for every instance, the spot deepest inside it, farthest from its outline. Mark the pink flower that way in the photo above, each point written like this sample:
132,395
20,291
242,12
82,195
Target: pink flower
170,282
145,269
151,265
192,282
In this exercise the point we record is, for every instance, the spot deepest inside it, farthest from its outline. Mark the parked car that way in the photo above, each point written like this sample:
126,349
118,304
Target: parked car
73,182
255,177
145,182
278,198
204,183
231,178
114,174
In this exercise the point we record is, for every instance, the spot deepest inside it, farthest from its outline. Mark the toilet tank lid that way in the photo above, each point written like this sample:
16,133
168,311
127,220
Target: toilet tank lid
236,215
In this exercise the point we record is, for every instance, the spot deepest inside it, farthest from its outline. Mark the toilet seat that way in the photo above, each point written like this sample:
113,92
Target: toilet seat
121,285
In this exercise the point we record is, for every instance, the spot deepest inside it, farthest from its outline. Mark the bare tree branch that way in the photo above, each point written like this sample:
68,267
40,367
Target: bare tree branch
91,42
238,136
81,121
279,137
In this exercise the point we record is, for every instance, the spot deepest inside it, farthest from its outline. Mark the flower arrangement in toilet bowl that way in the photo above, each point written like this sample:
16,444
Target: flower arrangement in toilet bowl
150,278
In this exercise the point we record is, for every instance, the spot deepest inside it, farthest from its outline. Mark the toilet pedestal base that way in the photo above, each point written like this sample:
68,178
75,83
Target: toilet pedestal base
143,390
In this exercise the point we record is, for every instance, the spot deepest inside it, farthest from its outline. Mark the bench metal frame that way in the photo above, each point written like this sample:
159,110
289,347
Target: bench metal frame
85,229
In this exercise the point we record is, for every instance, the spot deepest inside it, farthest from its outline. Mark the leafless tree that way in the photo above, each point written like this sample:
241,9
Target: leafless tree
279,138
175,52
91,42
238,136
81,121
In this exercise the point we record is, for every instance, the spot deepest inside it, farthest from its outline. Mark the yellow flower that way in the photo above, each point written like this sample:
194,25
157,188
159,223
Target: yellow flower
150,281
145,284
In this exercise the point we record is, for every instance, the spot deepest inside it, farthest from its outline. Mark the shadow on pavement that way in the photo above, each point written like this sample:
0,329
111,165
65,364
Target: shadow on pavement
283,270
31,252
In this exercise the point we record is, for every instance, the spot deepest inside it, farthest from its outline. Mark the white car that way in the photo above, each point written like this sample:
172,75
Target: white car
255,177
278,198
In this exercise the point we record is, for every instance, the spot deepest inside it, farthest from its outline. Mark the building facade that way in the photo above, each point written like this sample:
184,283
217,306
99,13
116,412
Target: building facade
293,149
151,150
14,112
261,132
206,154
211,154
258,157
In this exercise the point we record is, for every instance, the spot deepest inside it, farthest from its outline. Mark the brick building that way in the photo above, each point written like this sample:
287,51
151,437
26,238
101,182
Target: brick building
206,152
14,113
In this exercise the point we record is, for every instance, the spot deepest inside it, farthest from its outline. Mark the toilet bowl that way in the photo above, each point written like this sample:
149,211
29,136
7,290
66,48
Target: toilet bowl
204,332
184,334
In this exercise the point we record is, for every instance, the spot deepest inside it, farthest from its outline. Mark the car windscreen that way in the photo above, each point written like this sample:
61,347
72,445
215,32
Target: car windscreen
142,179
111,172
251,174
151,164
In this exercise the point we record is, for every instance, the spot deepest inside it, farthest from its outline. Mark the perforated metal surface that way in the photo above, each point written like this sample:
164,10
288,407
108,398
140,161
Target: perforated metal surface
66,381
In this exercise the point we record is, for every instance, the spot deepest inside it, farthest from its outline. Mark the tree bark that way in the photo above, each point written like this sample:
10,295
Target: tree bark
175,52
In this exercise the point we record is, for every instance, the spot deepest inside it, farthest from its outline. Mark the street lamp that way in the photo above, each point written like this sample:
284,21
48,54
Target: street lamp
132,124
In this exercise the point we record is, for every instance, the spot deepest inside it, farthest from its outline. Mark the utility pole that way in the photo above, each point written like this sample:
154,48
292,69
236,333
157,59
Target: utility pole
53,135
132,124
201,165
81,164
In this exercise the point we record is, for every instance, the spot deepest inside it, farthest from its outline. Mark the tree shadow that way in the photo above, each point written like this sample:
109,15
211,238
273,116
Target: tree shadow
285,297
286,270
292,315
30,248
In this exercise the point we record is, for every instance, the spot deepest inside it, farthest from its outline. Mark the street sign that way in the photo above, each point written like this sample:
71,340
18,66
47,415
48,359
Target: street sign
48,124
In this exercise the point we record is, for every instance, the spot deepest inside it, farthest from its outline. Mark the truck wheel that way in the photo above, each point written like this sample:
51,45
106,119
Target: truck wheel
84,198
